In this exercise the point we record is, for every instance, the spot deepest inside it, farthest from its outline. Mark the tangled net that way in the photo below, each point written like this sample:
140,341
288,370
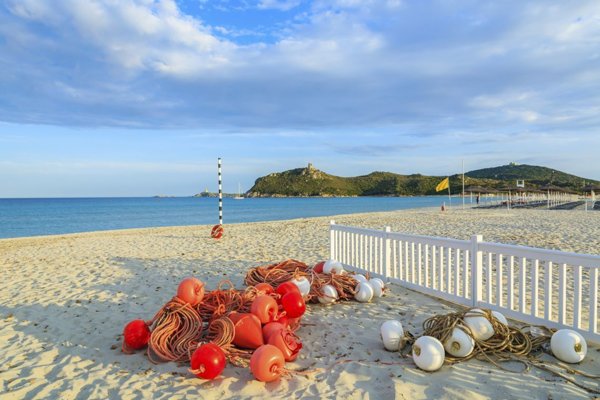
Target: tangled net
221,302
506,339
507,344
276,274
221,332
344,285
176,328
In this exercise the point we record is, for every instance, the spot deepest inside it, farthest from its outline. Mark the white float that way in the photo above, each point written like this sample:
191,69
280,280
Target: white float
459,344
428,353
392,335
480,326
360,278
500,317
303,285
330,295
333,266
377,286
364,292
568,345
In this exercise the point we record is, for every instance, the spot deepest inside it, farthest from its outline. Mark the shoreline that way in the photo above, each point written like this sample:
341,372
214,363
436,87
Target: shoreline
205,225
391,216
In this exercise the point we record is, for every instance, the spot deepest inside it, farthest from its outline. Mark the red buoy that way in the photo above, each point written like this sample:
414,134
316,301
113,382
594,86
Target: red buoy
217,231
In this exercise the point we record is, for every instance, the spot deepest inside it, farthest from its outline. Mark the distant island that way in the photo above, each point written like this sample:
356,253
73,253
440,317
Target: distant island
310,182
206,193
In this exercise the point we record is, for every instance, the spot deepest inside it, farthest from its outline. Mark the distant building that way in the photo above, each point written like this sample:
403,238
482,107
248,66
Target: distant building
513,164
521,183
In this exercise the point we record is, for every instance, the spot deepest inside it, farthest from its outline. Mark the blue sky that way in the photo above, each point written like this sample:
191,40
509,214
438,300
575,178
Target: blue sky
140,97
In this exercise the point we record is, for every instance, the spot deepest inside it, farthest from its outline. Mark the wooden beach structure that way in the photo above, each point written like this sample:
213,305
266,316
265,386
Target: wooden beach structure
547,196
536,286
592,190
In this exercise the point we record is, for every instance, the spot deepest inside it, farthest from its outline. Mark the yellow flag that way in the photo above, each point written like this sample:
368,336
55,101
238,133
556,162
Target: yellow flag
442,185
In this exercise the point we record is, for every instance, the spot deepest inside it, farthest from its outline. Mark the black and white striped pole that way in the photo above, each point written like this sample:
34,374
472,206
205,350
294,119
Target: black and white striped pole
217,230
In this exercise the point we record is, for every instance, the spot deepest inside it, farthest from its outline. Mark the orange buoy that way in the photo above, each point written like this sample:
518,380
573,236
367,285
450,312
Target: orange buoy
265,308
217,231
267,363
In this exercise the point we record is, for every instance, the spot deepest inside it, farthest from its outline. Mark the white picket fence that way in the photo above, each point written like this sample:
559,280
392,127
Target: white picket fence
536,286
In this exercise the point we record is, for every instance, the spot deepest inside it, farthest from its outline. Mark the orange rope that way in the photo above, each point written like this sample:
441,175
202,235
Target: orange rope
276,274
177,327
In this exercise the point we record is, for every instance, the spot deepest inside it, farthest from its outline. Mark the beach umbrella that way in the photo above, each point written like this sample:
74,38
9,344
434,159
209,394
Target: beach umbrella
591,188
553,188
475,189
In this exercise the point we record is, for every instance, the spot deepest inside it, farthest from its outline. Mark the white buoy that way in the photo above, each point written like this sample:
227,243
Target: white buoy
568,345
392,335
330,295
377,286
333,266
364,292
360,278
459,344
480,326
500,317
303,285
428,353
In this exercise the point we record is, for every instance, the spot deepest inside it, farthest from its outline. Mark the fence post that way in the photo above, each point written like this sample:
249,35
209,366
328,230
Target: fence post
476,269
387,252
332,243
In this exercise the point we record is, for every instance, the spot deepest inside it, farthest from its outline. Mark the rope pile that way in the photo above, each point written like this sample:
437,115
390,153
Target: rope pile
221,302
276,274
507,344
506,339
176,329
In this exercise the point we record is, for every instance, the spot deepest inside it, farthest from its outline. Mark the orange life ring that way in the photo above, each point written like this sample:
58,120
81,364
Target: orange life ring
217,231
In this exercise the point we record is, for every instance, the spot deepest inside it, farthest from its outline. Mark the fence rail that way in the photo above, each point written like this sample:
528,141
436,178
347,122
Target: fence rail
537,286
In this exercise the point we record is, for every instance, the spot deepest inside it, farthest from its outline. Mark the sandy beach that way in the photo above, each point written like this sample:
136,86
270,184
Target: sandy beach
65,299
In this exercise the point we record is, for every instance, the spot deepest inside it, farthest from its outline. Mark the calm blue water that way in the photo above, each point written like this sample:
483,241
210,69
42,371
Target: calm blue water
32,217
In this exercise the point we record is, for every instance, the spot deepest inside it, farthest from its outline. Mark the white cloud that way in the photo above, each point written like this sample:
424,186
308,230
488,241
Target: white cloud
429,68
283,5
137,35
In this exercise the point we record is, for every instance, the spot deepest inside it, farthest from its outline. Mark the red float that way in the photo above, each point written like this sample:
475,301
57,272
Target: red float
208,361
318,268
286,287
265,308
248,330
287,342
271,328
135,335
217,231
293,304
191,290
267,363
264,288
293,323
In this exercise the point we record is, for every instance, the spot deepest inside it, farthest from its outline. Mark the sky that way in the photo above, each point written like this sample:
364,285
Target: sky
140,97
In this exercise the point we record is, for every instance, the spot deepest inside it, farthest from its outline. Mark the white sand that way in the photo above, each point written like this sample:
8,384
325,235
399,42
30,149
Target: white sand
65,299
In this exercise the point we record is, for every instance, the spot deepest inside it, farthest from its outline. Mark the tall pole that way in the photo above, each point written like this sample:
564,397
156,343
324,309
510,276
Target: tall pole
220,195
463,191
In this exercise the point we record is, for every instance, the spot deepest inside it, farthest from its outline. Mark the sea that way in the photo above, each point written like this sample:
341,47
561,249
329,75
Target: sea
34,217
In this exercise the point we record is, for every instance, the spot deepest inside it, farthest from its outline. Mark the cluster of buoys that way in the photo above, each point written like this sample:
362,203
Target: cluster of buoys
460,336
260,329
253,327
326,282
